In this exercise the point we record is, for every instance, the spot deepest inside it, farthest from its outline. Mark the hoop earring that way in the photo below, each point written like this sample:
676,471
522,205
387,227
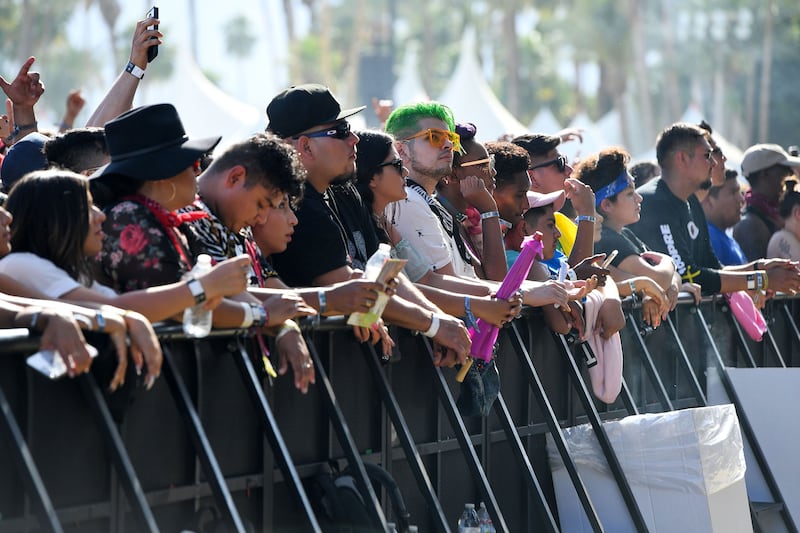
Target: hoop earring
174,192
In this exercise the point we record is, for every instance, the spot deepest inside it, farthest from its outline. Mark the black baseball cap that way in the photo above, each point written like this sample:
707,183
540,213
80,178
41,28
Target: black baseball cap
301,107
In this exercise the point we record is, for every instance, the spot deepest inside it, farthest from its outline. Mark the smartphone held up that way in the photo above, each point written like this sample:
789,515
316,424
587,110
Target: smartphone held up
152,52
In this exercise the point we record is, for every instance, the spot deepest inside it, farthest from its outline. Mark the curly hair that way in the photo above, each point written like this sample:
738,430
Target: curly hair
78,149
509,159
404,121
51,219
601,169
268,161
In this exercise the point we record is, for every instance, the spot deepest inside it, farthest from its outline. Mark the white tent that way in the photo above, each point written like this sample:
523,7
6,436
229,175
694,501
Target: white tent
205,110
544,122
472,100
592,141
408,87
693,115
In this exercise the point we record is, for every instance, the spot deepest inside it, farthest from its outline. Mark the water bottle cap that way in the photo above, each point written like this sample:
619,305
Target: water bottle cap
384,247
469,505
204,259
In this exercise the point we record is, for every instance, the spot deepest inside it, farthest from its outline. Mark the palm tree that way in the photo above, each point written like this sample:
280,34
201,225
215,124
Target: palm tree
239,41
109,10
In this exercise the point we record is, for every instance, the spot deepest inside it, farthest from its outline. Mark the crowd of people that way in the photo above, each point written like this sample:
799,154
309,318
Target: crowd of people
103,224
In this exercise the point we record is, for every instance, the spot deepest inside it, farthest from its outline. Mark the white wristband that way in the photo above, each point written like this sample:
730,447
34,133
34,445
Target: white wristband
134,70
248,315
289,325
434,329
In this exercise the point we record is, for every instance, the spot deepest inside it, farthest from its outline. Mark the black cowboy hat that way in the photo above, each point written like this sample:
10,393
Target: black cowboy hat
149,143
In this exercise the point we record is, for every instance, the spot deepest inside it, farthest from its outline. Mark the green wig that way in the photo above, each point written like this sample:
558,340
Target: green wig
404,121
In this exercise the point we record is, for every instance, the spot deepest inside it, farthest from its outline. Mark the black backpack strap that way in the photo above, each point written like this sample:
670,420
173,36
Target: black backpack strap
381,476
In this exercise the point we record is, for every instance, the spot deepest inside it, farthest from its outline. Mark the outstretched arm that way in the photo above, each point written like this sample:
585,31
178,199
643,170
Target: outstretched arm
119,97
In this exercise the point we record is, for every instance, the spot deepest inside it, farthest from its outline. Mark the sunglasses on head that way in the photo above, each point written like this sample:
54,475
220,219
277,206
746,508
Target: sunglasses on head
486,161
396,163
437,138
339,131
560,162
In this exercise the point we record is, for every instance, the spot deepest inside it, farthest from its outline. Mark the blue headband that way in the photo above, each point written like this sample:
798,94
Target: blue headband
615,187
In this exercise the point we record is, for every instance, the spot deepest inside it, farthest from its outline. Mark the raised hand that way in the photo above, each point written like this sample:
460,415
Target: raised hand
26,89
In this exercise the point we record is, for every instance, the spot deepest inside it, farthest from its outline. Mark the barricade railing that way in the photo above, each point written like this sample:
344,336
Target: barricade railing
402,415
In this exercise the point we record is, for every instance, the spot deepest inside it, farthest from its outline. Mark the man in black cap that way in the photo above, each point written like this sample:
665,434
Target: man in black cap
326,239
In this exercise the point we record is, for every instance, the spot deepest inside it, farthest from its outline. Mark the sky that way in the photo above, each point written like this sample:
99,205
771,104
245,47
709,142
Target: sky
254,81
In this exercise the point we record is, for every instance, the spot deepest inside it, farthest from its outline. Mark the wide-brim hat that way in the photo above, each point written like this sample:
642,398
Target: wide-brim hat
301,107
538,199
149,143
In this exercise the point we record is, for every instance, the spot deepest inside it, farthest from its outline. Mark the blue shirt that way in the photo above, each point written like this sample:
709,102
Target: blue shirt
727,249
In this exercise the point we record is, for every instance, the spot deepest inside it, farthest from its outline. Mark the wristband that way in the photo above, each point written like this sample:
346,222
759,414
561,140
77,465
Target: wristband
471,321
83,320
247,321
101,321
134,70
434,328
260,314
197,290
632,285
766,281
35,318
323,302
751,282
490,214
289,325
759,281
587,218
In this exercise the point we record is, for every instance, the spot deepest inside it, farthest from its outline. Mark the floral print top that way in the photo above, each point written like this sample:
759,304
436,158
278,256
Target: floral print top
137,251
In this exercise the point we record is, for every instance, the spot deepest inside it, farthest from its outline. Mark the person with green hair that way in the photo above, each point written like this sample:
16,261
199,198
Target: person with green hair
426,141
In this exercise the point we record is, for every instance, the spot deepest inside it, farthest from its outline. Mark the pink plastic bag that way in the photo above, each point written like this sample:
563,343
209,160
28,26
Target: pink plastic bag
746,313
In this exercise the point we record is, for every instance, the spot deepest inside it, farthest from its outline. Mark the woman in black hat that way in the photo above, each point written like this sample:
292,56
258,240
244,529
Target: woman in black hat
152,174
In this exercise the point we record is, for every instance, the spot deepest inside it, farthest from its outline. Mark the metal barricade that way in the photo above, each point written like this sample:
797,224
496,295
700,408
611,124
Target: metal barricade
213,442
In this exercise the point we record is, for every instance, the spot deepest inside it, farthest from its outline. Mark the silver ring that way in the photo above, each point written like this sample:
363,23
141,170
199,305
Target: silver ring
308,364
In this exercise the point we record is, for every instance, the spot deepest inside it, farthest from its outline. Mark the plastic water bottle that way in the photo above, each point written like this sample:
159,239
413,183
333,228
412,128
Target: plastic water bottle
376,261
196,319
371,272
468,523
485,520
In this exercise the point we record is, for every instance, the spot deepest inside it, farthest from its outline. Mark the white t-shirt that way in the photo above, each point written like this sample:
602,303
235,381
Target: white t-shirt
416,223
42,275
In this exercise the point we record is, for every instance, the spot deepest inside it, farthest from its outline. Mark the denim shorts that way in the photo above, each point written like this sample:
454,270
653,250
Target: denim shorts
479,389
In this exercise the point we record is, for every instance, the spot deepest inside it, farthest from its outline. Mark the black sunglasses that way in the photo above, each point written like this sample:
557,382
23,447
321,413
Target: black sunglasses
339,131
396,163
560,162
